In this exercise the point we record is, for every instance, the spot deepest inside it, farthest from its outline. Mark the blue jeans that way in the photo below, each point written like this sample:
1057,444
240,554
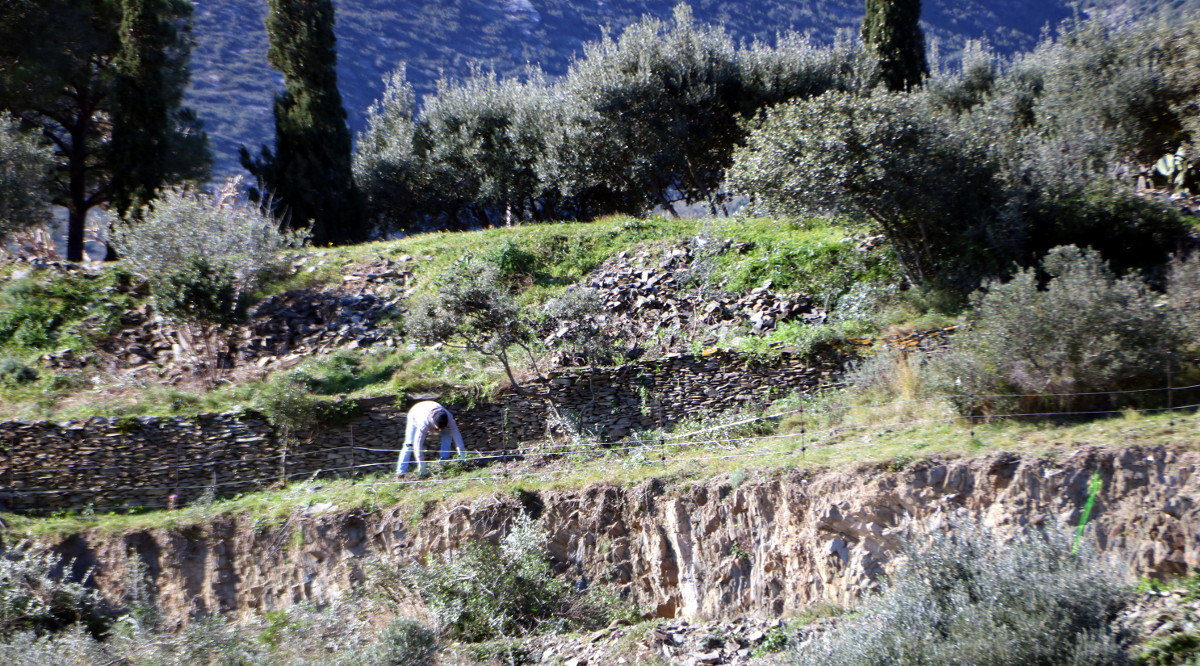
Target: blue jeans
406,454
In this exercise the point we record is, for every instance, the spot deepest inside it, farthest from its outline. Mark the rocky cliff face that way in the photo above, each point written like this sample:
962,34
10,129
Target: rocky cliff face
694,550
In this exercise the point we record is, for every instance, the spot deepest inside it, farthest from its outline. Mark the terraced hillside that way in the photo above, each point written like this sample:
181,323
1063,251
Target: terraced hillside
718,535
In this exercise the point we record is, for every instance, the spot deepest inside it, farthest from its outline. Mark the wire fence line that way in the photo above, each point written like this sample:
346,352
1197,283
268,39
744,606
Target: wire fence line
652,445
637,442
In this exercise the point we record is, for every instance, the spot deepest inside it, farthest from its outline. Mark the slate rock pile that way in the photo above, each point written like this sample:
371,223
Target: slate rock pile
281,330
661,302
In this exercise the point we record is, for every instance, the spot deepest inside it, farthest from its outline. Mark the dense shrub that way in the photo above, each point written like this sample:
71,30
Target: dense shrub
40,311
1085,332
71,647
512,260
289,403
575,319
37,594
214,247
1183,293
797,68
651,117
648,118
484,591
406,642
24,169
1129,83
1070,123
972,597
199,290
1132,232
933,193
961,89
387,169
14,372
473,157
482,141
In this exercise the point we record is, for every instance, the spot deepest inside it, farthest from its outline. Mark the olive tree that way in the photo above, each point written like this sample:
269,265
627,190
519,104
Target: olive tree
387,169
652,116
219,237
482,140
932,192
1070,345
471,307
472,156
203,255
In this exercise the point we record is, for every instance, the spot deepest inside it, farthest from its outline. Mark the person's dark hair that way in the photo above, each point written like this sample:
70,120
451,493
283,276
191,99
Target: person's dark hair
441,419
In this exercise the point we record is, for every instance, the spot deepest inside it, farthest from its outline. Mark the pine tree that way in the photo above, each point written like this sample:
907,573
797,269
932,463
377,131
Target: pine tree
55,76
70,70
154,141
891,28
307,178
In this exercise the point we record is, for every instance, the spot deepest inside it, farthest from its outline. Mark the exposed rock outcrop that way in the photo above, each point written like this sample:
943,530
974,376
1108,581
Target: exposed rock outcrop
698,551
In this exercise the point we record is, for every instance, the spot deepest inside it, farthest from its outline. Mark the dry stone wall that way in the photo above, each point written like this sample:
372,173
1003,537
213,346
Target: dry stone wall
155,462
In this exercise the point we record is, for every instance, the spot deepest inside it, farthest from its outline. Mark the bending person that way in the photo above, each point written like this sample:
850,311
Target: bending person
423,418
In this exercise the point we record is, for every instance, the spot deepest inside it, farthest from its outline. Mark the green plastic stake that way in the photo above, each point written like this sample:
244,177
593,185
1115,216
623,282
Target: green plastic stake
1093,490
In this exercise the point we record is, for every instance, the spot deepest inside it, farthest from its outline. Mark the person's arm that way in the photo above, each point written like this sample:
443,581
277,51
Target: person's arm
458,443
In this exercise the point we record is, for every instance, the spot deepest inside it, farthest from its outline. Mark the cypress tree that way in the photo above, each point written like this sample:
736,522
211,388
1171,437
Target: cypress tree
892,30
307,178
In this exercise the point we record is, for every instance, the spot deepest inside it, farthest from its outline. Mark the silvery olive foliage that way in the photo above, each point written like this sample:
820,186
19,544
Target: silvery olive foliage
473,308
934,192
578,318
25,166
1085,331
997,161
471,157
38,595
483,590
645,118
1183,295
196,248
968,596
482,140
387,168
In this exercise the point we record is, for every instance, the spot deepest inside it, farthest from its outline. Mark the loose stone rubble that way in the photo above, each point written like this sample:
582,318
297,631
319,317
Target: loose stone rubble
281,331
1166,618
739,641
1169,619
657,301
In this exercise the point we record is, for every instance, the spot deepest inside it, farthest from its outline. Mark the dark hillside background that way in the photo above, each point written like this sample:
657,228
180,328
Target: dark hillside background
232,86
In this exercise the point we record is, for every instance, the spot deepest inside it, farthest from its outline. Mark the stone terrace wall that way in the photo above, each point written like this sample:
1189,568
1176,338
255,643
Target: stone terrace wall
612,402
110,462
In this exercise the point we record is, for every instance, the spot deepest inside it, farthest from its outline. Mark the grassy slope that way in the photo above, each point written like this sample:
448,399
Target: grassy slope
806,256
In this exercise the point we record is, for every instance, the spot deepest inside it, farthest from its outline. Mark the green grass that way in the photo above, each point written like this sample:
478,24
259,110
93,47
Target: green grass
814,257
47,312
